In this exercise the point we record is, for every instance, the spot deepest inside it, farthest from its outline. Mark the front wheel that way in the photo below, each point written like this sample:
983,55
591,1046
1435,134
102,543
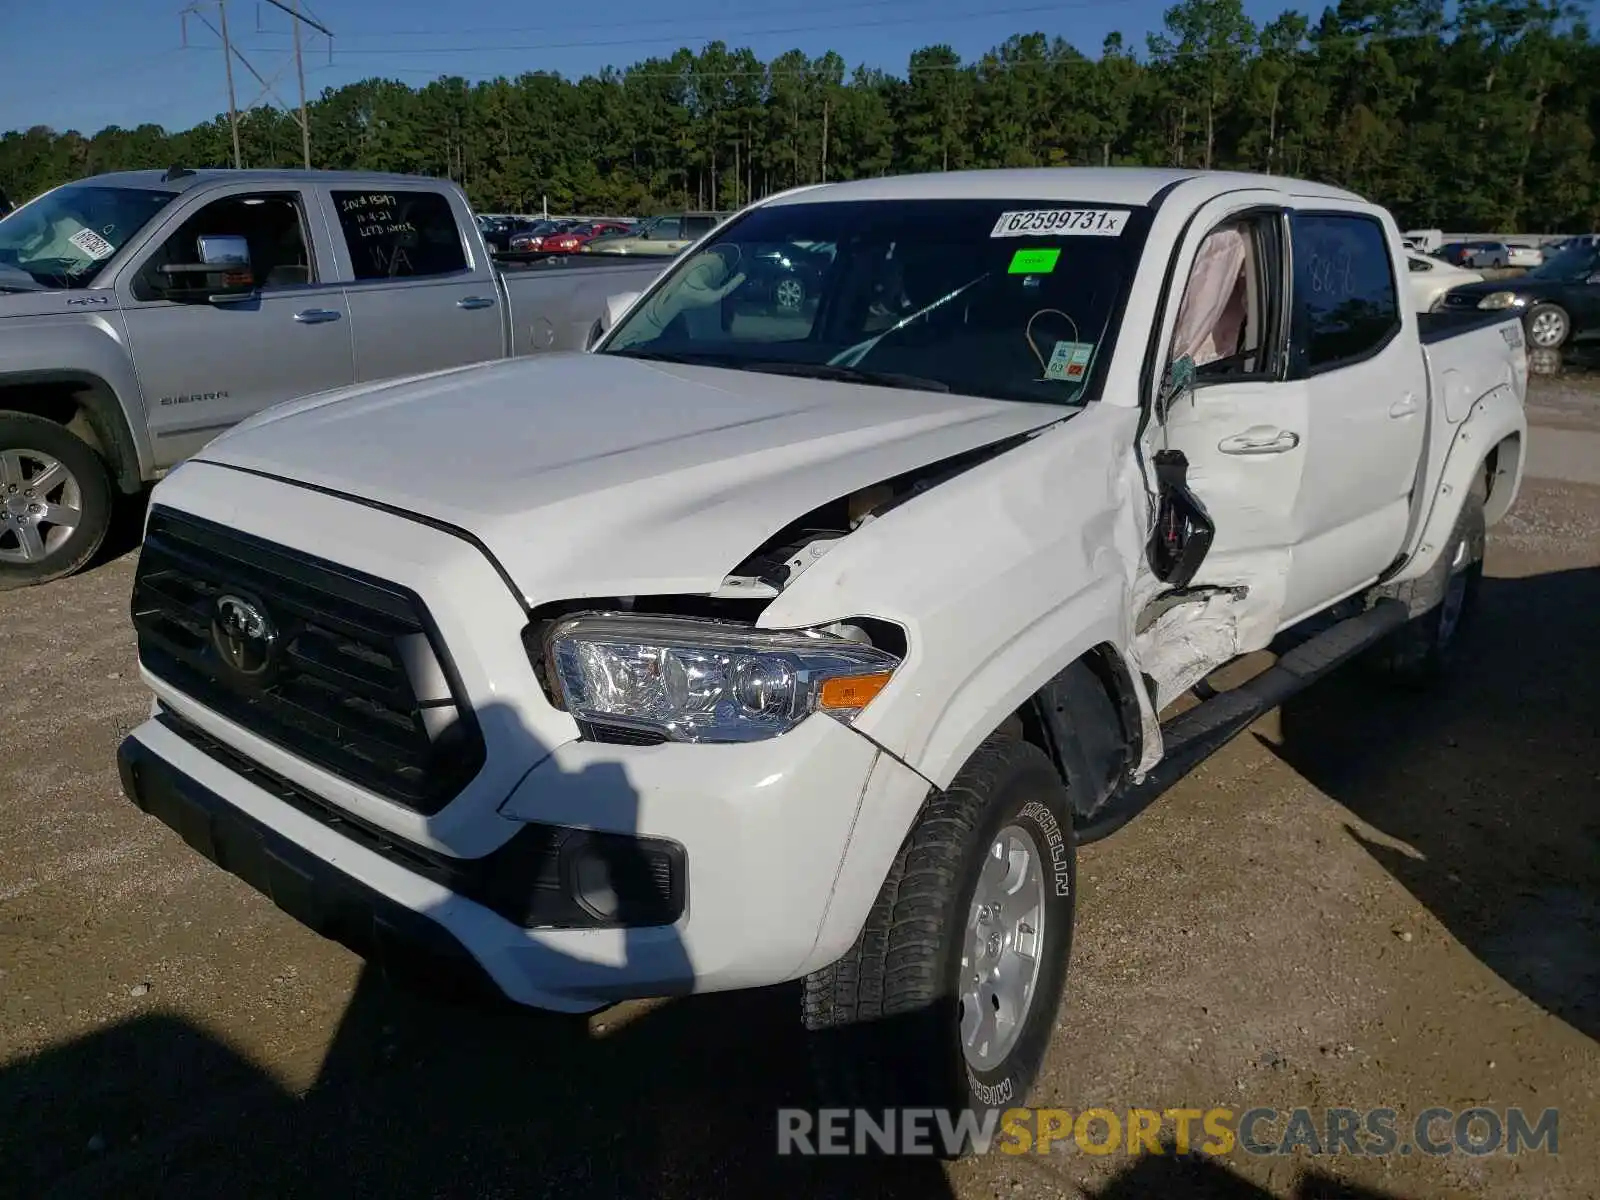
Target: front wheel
1548,326
55,501
949,995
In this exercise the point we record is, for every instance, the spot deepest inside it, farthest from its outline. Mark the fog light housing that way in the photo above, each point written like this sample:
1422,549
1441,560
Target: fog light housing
627,882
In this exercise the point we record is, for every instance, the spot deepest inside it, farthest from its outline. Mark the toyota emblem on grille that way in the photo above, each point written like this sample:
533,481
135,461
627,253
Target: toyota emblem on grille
244,635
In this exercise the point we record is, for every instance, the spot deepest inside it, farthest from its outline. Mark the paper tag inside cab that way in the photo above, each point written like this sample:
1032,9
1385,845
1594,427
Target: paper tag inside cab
92,244
1069,362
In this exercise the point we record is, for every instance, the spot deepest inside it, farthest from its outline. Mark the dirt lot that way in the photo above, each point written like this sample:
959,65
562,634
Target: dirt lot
1367,900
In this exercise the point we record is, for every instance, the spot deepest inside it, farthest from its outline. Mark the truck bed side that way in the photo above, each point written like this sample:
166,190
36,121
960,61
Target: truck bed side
553,305
1477,381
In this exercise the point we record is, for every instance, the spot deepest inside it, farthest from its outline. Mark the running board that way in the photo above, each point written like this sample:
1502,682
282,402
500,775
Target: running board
1191,737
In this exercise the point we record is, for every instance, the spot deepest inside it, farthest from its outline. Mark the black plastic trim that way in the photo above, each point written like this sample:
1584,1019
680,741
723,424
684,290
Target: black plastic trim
526,881
1435,327
327,597
392,937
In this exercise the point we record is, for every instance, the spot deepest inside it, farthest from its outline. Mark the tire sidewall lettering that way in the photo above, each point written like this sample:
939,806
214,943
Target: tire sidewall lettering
1056,847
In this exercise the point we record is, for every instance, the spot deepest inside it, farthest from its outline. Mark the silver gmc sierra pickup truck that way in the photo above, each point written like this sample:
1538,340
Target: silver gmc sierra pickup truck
142,313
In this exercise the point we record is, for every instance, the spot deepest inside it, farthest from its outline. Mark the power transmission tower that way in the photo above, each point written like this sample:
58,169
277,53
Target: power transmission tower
231,52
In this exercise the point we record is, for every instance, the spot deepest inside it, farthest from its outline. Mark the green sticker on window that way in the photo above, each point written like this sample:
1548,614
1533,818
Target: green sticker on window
1033,262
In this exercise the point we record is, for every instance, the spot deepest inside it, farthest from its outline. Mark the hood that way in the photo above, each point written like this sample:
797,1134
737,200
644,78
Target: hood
597,475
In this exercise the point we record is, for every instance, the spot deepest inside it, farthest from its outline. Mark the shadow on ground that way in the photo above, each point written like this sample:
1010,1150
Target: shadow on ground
1493,782
126,531
420,1095
425,1097
1170,1177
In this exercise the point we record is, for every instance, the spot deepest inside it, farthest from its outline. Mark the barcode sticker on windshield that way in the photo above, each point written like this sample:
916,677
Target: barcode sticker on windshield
1070,222
92,244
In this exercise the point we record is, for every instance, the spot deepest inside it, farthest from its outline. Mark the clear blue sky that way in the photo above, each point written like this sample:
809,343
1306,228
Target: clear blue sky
85,64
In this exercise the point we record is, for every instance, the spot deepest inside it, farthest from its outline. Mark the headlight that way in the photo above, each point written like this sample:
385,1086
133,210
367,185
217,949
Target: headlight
701,681
1502,300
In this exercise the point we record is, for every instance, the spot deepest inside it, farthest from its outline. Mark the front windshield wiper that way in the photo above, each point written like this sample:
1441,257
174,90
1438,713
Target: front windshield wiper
847,375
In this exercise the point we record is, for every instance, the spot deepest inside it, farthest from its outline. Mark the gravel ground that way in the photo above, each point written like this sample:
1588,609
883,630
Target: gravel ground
1369,899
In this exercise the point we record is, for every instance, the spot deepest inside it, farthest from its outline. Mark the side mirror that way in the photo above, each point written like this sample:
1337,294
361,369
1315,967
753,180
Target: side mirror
223,250
615,307
222,268
1184,530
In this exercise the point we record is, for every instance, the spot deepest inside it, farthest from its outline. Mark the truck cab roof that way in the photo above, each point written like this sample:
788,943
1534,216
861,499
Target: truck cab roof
201,176
1108,185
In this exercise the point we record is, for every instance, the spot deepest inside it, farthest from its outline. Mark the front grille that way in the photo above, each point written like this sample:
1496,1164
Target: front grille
533,880
1452,301
354,680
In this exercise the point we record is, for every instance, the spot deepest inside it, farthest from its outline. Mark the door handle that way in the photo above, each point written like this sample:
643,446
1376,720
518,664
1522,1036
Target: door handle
1260,439
475,302
1404,406
316,316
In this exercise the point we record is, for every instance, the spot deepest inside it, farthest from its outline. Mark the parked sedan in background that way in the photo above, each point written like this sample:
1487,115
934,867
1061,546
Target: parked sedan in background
1477,254
666,235
1559,300
532,238
569,240
1430,279
1524,254
501,232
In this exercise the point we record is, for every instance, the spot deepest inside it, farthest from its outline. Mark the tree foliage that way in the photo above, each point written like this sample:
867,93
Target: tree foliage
1479,114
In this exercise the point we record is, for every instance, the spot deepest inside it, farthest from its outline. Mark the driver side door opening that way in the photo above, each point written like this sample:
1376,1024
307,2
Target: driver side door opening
1227,451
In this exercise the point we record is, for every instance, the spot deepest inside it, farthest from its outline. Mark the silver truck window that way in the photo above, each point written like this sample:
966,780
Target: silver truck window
271,222
399,234
62,238
1346,303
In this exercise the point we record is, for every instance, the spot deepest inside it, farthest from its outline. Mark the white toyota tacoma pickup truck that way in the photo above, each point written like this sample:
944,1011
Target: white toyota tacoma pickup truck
753,646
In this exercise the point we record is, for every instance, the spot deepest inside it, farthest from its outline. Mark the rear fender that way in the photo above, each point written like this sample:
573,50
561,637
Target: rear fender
1497,426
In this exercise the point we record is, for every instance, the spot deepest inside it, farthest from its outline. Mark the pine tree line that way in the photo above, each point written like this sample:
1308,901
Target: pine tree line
1472,116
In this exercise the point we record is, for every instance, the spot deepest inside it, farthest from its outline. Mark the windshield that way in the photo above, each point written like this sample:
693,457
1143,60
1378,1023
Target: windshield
1572,265
1010,300
60,239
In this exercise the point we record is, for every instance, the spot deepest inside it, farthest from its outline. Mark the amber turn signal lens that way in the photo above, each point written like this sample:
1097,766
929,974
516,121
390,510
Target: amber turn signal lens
851,691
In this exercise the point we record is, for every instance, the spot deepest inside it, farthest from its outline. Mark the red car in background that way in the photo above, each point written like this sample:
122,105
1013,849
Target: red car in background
568,241
533,237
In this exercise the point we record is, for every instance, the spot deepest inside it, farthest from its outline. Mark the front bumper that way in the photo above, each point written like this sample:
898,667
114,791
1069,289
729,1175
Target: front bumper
764,829
392,937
